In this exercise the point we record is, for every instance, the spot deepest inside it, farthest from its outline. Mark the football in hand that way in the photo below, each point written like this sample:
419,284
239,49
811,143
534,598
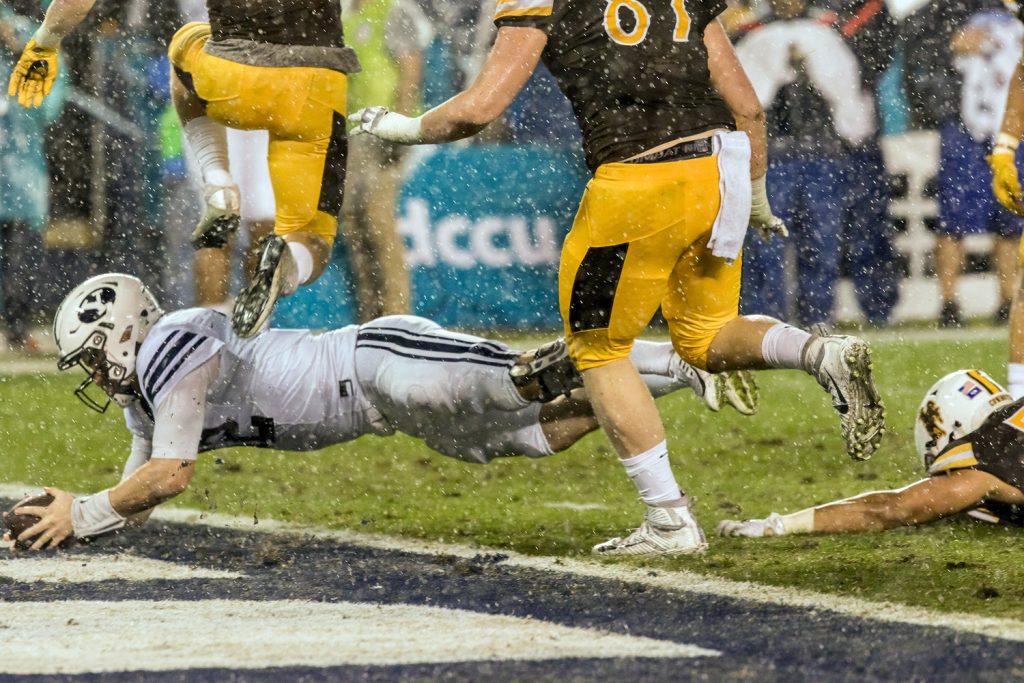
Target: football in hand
16,523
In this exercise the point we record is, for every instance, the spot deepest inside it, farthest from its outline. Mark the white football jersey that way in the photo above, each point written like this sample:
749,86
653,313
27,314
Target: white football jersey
288,389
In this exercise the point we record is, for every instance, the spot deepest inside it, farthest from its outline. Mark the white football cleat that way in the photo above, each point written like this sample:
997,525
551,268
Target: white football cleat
221,217
753,528
665,531
842,365
737,389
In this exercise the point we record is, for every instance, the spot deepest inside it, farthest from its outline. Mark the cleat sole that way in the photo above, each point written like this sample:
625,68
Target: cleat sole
216,234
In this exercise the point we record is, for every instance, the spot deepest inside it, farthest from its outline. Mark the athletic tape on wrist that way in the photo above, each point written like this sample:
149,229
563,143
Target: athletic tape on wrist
46,39
801,522
402,129
1005,143
759,194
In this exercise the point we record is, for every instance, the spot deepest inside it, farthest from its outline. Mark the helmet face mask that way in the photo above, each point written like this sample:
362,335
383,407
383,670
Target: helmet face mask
100,372
954,407
99,327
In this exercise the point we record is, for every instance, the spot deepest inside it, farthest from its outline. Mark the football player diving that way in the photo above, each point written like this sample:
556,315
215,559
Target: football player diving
275,65
675,136
188,384
969,433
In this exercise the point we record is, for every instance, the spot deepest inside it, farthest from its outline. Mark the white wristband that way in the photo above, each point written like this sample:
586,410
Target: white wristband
46,39
94,515
801,522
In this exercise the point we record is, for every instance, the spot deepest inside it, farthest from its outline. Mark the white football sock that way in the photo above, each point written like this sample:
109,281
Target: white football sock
660,368
208,141
651,473
783,346
1015,375
303,259
652,358
661,385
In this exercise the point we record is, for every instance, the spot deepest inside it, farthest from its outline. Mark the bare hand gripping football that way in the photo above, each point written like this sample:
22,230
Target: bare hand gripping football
17,523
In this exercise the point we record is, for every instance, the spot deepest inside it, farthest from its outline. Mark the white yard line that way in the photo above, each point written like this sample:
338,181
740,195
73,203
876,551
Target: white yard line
50,568
692,582
167,635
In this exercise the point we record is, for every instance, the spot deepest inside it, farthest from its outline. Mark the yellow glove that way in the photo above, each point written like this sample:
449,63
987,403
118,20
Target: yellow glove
34,75
1005,183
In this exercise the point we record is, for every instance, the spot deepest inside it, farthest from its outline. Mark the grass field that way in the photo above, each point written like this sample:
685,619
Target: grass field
788,456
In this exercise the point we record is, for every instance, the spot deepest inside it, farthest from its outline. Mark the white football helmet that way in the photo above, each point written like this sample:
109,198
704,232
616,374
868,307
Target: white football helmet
956,405
99,327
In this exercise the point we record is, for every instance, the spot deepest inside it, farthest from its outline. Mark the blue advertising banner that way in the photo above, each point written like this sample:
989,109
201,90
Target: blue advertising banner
483,227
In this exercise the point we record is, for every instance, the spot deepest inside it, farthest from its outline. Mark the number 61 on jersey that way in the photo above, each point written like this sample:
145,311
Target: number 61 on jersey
613,15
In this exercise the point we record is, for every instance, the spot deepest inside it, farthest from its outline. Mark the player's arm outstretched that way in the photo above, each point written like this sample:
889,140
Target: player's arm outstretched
36,70
1005,183
107,511
513,58
921,502
156,471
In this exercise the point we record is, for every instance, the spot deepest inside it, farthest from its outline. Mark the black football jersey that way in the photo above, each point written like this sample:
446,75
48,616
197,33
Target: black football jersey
635,71
315,23
996,447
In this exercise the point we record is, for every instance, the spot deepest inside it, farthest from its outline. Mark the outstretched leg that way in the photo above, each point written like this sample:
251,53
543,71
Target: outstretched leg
701,312
305,222
840,364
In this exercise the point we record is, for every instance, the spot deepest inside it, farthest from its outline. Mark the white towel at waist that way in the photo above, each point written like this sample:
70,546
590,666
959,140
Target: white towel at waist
730,228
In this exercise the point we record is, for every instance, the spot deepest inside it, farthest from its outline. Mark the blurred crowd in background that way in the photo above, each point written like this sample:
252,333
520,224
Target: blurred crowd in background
98,179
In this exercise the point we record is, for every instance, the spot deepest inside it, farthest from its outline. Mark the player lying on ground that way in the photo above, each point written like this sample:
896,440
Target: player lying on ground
188,385
970,435
274,65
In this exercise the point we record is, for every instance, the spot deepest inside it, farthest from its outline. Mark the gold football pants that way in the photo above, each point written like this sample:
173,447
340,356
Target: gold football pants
302,108
639,241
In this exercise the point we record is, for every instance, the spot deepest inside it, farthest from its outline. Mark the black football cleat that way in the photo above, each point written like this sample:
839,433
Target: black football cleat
551,367
256,302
